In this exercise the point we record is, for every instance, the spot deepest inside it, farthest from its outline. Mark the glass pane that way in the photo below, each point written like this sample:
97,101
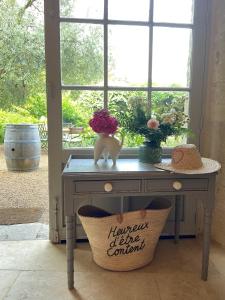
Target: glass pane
174,11
119,106
128,55
89,9
82,54
164,103
171,57
133,10
77,110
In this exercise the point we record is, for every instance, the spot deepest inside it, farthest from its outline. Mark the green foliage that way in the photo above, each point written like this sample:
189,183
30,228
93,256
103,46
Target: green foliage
167,124
91,101
22,73
118,106
15,117
66,7
82,54
22,61
163,102
36,105
71,112
79,107
132,112
22,54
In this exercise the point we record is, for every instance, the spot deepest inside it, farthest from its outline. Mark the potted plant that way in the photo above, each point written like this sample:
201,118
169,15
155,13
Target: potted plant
154,128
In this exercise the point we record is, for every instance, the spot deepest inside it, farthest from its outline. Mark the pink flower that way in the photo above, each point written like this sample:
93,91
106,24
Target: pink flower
153,124
102,122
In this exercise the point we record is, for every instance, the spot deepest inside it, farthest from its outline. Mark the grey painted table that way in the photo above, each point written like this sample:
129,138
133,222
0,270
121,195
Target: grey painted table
81,177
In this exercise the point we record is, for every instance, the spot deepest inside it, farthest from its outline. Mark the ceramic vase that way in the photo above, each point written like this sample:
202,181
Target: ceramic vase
105,146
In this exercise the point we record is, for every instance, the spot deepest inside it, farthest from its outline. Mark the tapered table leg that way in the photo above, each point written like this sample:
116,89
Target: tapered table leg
206,242
70,237
177,218
208,204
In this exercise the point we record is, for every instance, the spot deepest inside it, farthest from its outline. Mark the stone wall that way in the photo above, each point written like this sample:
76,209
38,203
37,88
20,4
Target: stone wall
213,127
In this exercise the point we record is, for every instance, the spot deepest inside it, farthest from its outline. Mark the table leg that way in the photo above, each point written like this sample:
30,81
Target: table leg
208,204
206,242
70,238
177,218
122,205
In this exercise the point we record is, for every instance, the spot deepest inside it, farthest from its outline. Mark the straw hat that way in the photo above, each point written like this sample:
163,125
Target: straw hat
186,159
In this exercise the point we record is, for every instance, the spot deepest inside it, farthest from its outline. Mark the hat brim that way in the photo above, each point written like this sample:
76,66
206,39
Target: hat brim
209,166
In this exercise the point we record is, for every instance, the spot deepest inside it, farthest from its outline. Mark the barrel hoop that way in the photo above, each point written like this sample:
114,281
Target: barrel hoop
21,125
22,141
23,158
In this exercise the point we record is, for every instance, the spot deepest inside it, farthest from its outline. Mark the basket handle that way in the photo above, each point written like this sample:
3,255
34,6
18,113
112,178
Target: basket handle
143,213
119,217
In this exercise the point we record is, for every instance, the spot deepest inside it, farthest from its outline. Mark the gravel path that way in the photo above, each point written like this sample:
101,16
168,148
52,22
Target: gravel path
25,189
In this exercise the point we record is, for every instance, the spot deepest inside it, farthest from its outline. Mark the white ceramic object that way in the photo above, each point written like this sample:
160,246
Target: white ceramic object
177,185
108,187
107,146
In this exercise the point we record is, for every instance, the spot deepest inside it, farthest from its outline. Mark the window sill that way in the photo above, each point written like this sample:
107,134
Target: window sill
124,153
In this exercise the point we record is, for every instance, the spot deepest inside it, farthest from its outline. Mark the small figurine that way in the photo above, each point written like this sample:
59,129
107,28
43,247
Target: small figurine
107,146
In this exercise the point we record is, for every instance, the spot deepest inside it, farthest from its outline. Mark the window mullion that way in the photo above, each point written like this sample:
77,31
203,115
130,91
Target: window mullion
151,9
105,53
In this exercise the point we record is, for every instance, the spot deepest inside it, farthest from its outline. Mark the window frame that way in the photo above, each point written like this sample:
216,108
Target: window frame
197,67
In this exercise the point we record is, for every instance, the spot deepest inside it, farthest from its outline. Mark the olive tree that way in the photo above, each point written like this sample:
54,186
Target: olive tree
22,54
22,60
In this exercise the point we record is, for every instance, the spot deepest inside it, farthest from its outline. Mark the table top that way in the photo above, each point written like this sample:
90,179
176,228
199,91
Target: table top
124,166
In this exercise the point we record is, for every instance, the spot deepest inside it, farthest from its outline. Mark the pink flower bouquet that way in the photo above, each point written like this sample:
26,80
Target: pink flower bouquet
103,123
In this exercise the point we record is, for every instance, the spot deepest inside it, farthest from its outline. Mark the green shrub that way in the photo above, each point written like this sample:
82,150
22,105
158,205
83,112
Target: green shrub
72,112
86,102
7,117
78,108
36,105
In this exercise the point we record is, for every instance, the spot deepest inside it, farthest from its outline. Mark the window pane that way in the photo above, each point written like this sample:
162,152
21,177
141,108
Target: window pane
164,102
118,103
133,10
173,11
92,9
82,54
77,110
128,55
171,57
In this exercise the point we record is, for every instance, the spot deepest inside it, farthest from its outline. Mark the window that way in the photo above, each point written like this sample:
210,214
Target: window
112,50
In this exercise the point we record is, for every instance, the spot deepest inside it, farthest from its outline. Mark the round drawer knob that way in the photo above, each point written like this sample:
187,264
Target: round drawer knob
177,185
108,187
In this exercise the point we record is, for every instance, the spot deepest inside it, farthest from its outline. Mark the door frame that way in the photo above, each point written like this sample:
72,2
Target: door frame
54,111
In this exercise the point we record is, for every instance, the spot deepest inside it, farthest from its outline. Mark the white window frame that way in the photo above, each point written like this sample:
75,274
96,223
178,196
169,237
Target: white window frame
197,69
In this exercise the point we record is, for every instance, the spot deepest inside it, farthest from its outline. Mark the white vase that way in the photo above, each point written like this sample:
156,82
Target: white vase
106,146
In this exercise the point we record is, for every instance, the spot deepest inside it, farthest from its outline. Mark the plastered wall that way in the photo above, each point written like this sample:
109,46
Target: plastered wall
212,142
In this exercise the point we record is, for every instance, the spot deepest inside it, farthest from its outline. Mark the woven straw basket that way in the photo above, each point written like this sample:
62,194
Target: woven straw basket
127,241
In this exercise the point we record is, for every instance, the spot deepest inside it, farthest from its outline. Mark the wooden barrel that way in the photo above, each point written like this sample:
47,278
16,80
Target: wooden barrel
22,147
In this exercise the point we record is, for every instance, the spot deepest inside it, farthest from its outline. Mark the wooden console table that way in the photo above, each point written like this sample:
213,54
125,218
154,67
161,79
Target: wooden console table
81,177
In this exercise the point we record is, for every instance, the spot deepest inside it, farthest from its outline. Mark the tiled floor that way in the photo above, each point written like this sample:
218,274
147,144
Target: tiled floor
37,270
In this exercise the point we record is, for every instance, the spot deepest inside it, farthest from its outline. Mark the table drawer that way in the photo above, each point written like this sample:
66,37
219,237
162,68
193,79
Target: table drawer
170,185
107,186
